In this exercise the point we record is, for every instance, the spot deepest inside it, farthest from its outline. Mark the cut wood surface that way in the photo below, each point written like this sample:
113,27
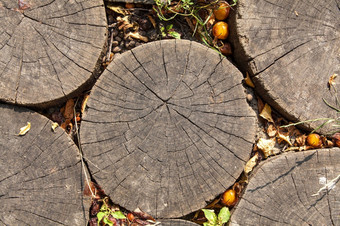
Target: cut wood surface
49,49
150,2
284,191
168,128
291,48
176,222
41,176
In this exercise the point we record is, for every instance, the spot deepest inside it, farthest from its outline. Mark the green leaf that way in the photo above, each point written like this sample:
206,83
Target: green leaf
169,27
210,215
118,215
224,215
100,216
175,34
107,221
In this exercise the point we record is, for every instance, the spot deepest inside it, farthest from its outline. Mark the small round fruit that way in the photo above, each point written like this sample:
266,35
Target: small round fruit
220,30
314,140
229,197
222,12
226,49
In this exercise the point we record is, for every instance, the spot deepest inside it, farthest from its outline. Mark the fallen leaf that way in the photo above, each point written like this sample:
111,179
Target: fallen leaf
266,146
54,126
136,35
152,20
118,9
271,130
83,104
248,80
69,113
25,129
260,104
142,215
331,80
284,138
266,113
301,140
251,163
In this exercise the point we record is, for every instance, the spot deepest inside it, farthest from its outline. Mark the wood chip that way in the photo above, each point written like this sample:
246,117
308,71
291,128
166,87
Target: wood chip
25,129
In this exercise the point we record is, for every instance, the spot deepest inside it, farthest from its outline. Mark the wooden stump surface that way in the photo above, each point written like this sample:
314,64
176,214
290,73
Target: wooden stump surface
176,222
291,48
41,176
281,192
167,127
149,2
49,49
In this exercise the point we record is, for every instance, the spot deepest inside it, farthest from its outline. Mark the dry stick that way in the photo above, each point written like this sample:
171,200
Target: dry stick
108,58
80,150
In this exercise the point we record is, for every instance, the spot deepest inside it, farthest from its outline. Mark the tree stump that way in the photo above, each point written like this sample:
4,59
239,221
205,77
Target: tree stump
149,2
49,50
177,222
167,128
283,191
41,176
291,48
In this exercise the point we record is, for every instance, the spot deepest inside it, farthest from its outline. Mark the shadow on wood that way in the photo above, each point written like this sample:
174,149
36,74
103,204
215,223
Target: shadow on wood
284,191
41,176
168,128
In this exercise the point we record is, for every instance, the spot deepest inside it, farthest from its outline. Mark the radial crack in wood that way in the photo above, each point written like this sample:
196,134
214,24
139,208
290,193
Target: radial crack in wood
291,48
49,49
168,128
41,176
284,191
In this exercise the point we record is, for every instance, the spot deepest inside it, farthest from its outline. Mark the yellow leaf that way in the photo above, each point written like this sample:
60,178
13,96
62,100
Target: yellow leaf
266,113
248,81
25,129
54,126
266,146
117,9
251,163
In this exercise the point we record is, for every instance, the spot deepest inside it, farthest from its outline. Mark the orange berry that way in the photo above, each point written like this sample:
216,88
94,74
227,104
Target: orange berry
220,30
314,140
222,12
229,197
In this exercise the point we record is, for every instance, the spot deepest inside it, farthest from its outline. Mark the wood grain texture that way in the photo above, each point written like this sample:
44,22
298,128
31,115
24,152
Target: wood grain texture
176,222
49,50
280,192
291,48
169,127
41,176
149,2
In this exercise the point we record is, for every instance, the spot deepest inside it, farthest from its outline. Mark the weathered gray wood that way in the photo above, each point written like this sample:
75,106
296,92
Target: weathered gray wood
49,50
291,48
281,191
177,222
40,172
169,127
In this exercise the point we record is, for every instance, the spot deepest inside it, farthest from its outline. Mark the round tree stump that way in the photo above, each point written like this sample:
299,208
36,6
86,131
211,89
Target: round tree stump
49,49
177,222
283,191
291,48
41,176
169,128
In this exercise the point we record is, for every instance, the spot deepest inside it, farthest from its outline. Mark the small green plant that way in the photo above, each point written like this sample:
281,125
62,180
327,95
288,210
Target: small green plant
106,214
168,30
213,220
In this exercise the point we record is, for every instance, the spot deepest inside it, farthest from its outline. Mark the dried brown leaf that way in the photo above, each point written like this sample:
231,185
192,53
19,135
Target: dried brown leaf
136,35
69,112
271,130
331,81
301,140
266,113
118,9
25,129
83,104
152,20
282,137
260,104
248,81
142,215
266,146
251,163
